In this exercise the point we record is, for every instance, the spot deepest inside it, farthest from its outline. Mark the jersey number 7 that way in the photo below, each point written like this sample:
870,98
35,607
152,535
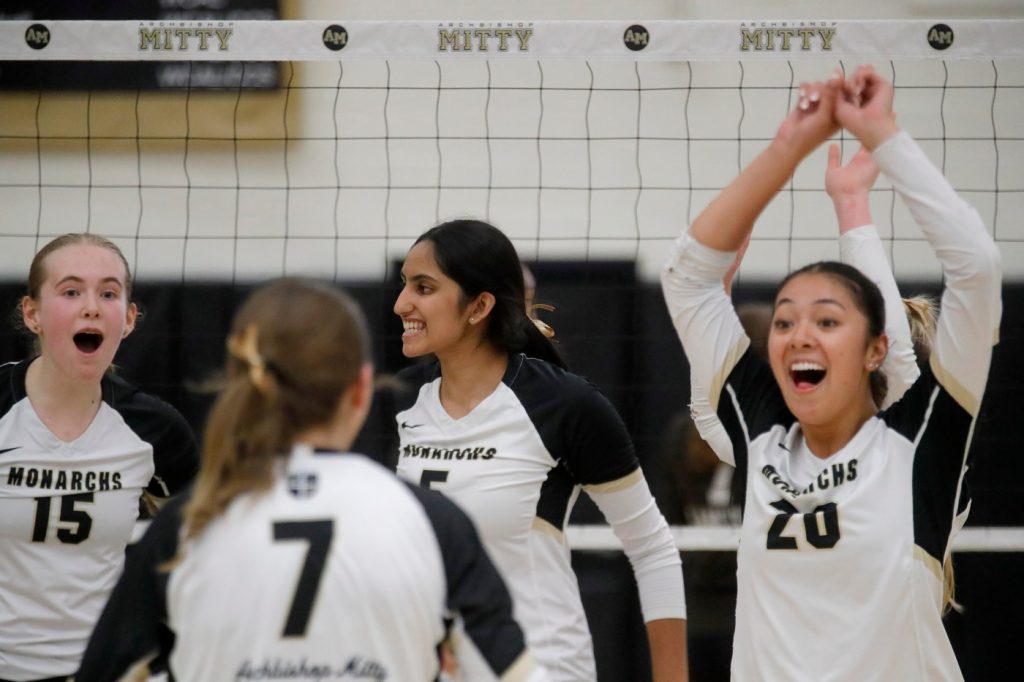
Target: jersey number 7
319,535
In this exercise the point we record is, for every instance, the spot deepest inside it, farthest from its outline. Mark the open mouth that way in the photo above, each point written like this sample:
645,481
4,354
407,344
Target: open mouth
88,342
806,375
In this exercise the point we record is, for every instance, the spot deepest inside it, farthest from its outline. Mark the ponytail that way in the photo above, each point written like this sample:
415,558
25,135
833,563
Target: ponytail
285,375
922,314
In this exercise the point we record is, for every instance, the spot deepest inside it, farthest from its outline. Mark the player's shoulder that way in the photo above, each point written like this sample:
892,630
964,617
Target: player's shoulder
524,370
144,412
12,384
539,382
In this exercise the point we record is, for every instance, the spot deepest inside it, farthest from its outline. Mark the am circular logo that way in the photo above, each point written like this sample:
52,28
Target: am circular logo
335,37
636,37
37,36
940,36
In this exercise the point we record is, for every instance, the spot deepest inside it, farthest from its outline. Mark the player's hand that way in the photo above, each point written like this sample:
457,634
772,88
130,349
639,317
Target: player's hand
812,121
857,177
864,107
849,186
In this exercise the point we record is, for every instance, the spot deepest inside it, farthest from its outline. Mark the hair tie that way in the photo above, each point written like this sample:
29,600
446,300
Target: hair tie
546,329
246,349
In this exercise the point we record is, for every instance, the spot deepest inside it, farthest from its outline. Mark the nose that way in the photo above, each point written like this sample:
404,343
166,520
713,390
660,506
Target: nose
90,306
402,305
802,336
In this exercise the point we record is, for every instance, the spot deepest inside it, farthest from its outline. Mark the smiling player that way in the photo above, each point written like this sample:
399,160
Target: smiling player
850,512
78,447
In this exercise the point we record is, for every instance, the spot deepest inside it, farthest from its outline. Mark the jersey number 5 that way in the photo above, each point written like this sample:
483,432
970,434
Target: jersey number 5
817,538
319,535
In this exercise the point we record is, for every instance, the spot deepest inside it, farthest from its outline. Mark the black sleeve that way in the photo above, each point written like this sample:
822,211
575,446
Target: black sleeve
175,451
750,404
475,588
928,415
131,627
578,425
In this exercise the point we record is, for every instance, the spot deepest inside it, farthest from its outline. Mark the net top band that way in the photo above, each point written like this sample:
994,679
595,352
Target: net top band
660,40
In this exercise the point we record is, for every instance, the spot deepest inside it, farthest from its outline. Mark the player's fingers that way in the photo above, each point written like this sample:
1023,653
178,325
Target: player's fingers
833,156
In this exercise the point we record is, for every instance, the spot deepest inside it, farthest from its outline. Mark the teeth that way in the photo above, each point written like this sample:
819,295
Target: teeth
411,326
805,366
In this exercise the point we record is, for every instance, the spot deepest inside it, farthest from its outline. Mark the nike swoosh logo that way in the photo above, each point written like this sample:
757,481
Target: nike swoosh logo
6,450
407,425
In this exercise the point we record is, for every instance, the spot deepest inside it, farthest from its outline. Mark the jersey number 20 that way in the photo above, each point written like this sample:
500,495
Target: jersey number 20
817,538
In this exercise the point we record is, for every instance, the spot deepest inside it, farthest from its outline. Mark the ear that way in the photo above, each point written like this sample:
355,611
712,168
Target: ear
877,350
30,314
130,318
362,388
481,307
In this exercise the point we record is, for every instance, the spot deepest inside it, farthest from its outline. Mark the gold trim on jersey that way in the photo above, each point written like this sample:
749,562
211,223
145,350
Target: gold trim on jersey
960,394
547,528
521,669
933,565
627,481
728,364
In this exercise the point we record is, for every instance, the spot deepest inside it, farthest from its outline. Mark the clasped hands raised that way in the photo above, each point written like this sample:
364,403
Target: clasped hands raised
861,103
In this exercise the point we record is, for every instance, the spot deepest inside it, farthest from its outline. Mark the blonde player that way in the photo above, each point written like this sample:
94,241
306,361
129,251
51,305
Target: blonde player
294,558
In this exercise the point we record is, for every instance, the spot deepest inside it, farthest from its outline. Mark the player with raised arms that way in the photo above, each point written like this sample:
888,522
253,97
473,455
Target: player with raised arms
293,558
79,447
849,511
500,426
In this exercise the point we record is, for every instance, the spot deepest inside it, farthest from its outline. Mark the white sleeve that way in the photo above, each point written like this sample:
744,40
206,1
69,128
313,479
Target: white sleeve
971,301
707,326
862,248
630,509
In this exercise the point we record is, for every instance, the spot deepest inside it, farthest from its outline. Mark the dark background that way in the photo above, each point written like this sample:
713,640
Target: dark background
60,75
616,331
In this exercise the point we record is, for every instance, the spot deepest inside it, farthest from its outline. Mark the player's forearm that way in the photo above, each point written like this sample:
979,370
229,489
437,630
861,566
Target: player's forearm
730,217
667,640
852,210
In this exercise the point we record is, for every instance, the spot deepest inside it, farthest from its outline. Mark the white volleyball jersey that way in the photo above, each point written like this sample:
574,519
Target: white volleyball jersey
339,571
840,559
516,464
66,514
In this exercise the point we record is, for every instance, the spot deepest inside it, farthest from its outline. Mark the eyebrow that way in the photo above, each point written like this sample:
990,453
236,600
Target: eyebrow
820,301
419,277
79,280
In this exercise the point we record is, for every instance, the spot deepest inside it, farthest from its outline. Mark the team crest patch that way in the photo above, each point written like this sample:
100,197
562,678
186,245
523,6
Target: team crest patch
302,484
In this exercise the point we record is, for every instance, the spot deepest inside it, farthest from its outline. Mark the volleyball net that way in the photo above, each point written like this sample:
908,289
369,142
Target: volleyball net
324,148
580,139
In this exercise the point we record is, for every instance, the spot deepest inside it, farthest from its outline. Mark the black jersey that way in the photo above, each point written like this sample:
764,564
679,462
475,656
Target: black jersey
66,514
340,570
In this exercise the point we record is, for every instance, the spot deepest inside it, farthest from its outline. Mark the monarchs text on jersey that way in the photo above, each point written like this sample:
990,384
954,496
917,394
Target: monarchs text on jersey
67,510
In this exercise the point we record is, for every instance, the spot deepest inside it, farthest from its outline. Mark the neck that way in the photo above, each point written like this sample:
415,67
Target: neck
824,440
470,376
337,436
48,386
